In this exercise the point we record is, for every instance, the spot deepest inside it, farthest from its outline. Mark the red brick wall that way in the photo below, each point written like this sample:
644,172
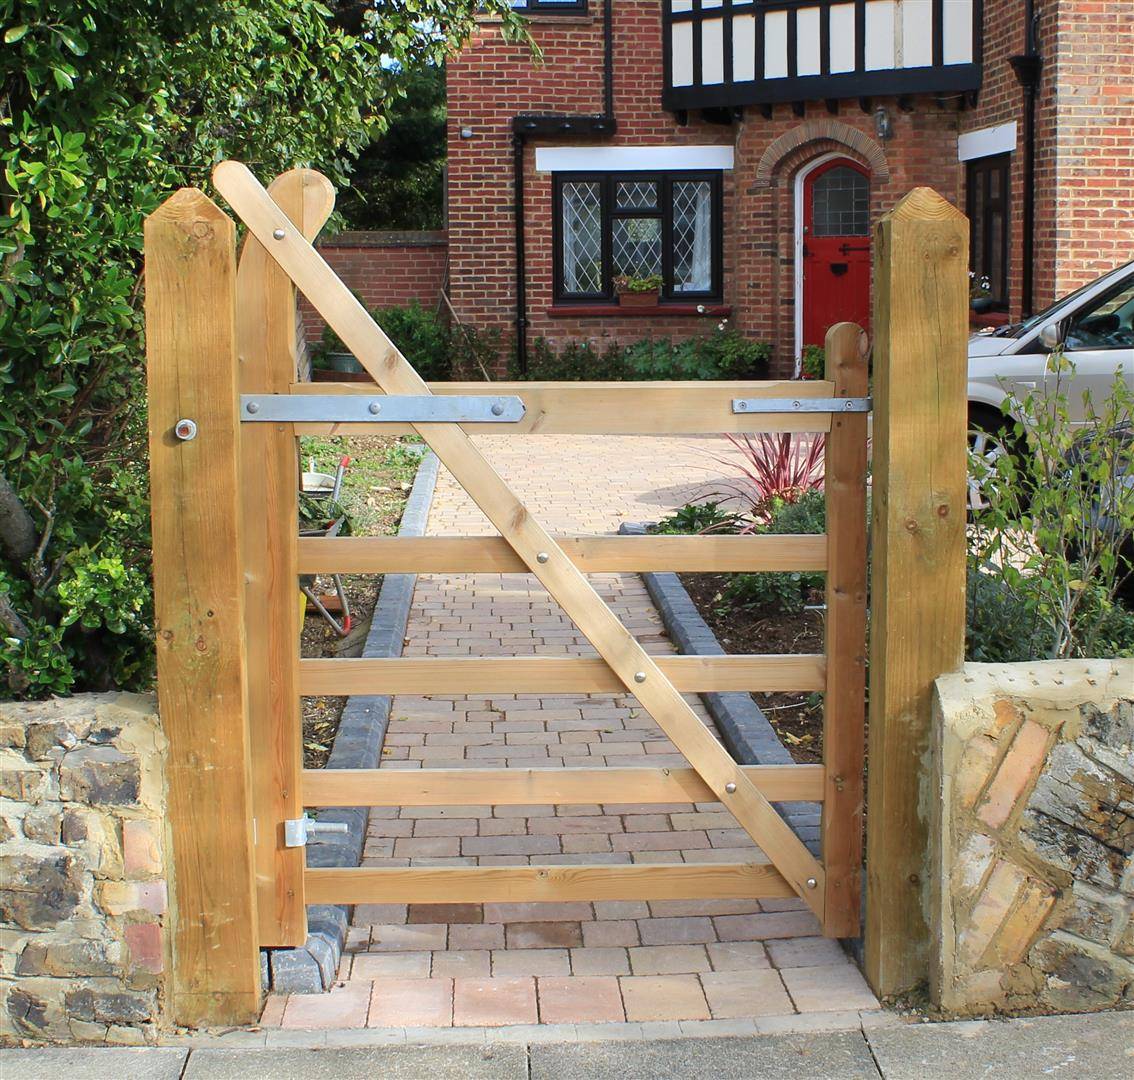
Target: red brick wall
385,269
1092,132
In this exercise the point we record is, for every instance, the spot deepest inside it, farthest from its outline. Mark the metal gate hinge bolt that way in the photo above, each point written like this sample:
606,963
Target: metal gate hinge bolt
812,883
185,430
278,234
730,788
252,407
297,831
542,557
374,408
639,676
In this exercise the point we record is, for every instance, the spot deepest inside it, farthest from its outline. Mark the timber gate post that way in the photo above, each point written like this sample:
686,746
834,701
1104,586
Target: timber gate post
918,548
190,258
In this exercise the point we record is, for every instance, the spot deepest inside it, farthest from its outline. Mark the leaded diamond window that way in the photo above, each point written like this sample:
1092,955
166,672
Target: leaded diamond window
638,225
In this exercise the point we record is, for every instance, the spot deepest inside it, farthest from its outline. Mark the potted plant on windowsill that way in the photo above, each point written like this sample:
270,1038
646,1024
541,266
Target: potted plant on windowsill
638,291
980,294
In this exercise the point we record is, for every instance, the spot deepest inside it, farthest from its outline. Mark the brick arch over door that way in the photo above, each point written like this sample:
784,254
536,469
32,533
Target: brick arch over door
822,131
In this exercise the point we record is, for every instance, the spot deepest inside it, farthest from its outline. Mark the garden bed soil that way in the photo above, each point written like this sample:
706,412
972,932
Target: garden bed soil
375,489
796,717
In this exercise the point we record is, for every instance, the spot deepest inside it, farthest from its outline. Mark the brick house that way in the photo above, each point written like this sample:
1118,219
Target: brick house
743,149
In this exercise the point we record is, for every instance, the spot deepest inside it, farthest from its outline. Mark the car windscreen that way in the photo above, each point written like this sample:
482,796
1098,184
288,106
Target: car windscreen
1021,328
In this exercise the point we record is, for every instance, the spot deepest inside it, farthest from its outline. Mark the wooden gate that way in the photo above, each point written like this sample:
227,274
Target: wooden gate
225,412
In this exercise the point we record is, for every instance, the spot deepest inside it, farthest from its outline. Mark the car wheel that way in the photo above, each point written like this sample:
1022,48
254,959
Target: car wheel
990,439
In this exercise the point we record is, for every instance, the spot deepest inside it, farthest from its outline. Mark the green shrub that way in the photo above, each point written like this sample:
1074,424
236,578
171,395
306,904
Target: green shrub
724,354
1049,537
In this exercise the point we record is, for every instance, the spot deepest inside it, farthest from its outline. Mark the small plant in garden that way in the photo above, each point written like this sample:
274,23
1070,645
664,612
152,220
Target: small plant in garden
694,518
775,469
813,362
1050,552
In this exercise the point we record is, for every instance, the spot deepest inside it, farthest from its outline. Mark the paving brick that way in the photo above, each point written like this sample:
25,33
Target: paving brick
555,911
780,924
468,963
668,959
445,913
543,935
676,931
664,997
408,938
408,965
736,994
737,955
368,914
614,932
494,1002
806,952
621,909
599,961
580,1000
506,962
342,1007
825,989
411,1003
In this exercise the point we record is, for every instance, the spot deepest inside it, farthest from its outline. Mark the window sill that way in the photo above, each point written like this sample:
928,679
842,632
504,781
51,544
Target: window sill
606,311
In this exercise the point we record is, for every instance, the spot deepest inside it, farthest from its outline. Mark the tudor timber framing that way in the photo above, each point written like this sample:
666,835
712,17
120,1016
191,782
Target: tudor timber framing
634,667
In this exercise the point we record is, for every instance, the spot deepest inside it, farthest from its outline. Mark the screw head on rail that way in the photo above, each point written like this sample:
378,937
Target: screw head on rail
252,407
497,409
278,234
742,405
812,883
730,787
542,557
185,430
374,408
639,676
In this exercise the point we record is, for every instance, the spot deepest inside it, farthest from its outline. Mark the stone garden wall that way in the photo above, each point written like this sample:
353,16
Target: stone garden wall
82,888
1031,800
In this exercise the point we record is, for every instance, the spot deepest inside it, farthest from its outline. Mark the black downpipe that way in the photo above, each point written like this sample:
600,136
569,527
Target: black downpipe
1028,67
550,126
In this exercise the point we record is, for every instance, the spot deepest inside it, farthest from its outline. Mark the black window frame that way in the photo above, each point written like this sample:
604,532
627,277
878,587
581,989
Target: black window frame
550,7
665,179
980,217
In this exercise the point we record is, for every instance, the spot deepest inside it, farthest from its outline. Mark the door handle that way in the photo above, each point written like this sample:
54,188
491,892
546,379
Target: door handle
847,248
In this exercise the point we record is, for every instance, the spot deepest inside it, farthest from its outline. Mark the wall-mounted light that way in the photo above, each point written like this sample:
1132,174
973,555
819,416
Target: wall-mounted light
883,125
466,133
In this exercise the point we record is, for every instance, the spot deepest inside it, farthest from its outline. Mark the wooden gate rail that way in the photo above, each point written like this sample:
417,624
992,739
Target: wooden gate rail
528,787
227,560
553,674
591,554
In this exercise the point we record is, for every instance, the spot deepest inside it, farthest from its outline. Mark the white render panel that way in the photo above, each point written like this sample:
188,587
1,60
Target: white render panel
879,35
743,48
775,45
631,158
987,141
842,38
682,69
712,52
807,60
957,47
917,33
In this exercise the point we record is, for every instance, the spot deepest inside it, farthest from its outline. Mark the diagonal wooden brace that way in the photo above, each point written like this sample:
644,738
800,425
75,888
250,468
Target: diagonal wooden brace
531,542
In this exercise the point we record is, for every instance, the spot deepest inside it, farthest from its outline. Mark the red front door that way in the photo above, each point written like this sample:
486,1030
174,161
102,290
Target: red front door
836,248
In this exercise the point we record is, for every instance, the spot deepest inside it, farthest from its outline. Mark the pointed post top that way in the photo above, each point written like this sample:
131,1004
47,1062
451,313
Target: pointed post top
922,204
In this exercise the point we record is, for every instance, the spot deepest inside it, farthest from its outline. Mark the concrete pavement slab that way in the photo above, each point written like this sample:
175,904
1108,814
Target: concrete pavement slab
834,1055
388,1062
1100,1047
93,1063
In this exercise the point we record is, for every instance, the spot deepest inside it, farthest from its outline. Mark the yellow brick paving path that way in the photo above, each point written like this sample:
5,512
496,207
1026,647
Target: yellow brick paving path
500,964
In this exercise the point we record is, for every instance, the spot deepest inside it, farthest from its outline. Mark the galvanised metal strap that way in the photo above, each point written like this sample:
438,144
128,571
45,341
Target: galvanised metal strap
379,409
802,405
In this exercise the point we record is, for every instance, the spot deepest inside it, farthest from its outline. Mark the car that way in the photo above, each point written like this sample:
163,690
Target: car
1095,327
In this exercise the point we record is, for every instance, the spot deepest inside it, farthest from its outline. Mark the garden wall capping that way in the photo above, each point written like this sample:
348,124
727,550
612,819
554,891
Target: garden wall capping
744,729
83,896
1030,799
313,967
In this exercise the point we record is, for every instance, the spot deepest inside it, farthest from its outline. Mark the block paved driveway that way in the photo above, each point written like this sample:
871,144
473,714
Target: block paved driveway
500,964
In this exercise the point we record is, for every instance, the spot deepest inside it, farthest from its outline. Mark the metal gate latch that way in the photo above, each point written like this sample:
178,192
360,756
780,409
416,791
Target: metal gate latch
298,831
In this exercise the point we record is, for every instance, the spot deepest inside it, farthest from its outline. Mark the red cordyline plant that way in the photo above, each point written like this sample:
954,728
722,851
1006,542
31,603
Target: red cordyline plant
775,469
